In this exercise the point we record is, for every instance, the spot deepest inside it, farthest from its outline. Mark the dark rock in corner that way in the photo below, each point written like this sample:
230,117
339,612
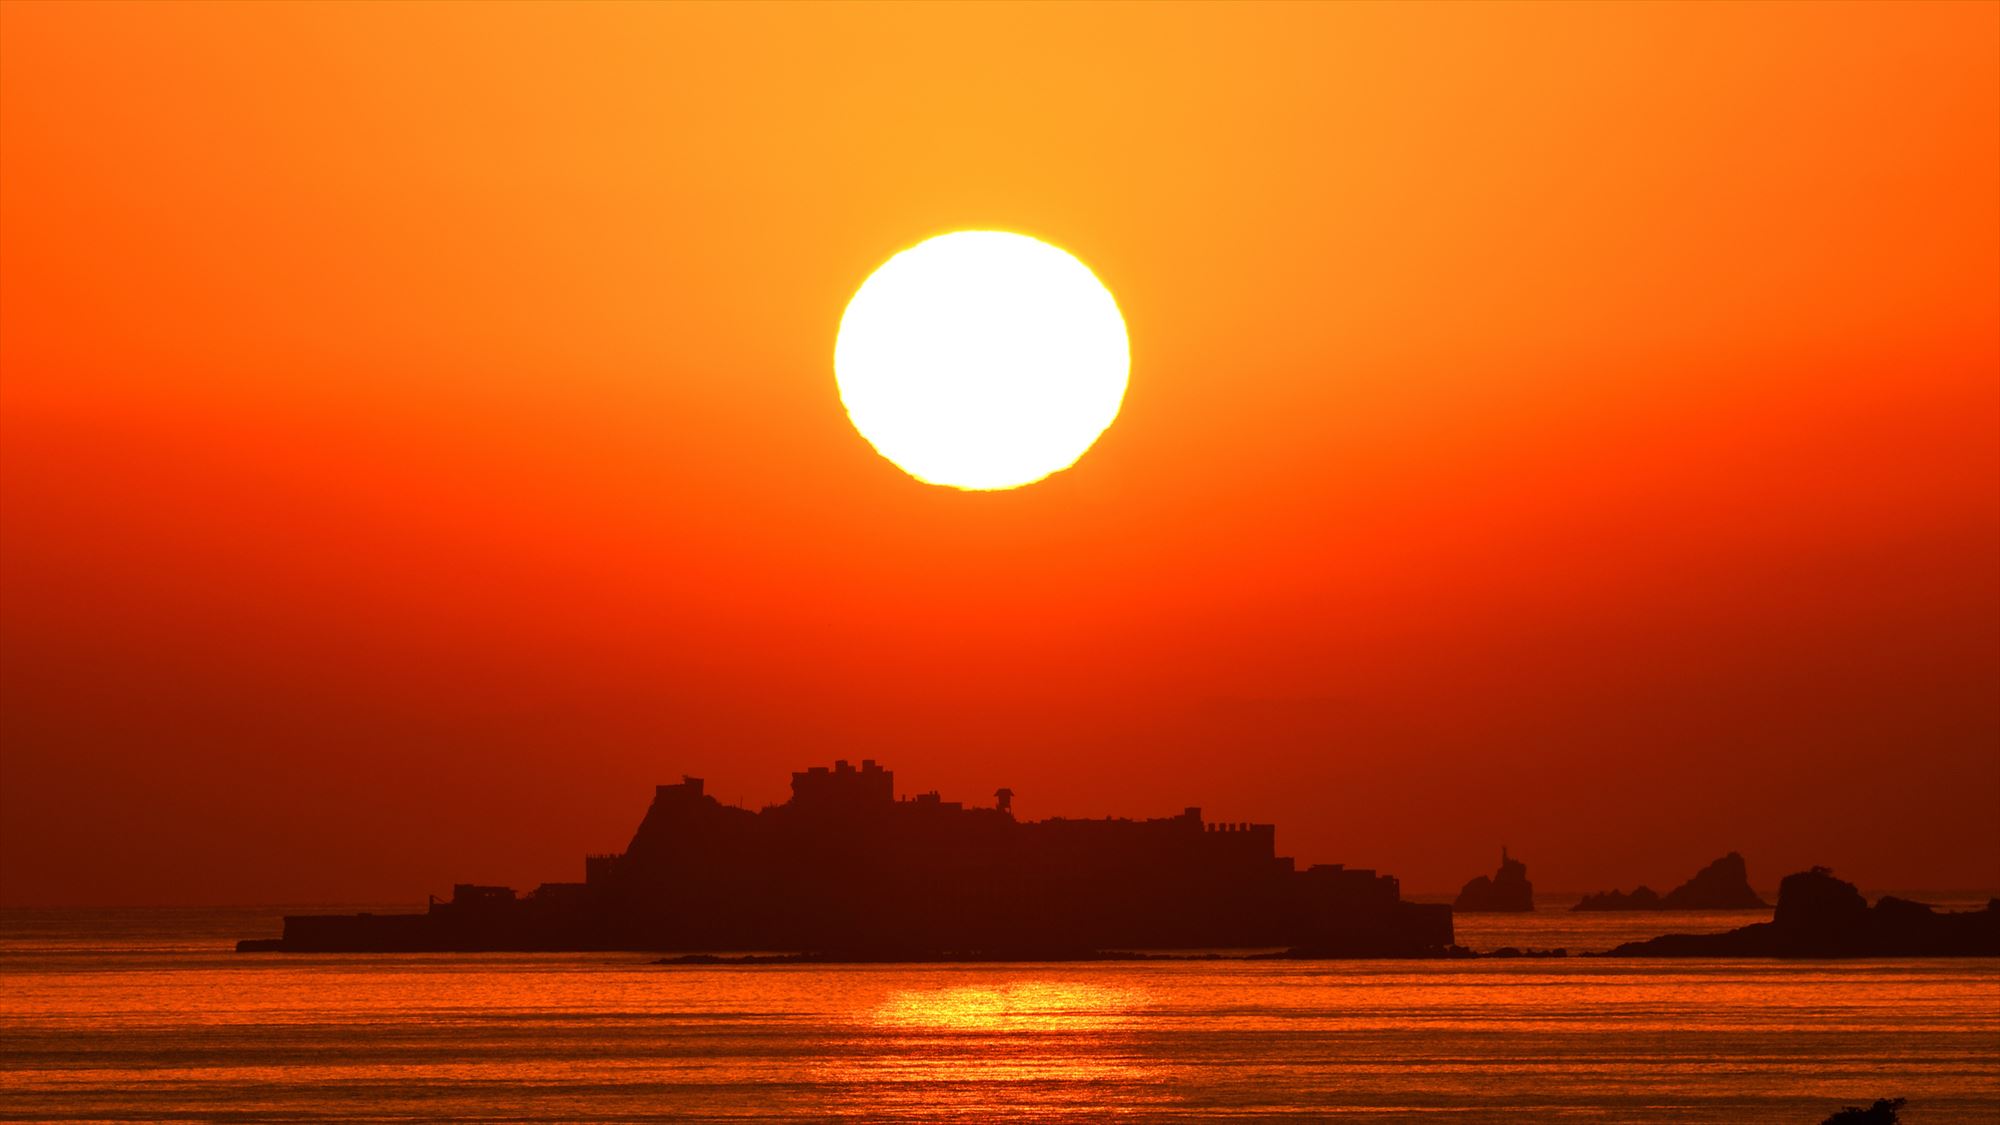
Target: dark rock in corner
1883,1112
1821,916
1722,885
1508,891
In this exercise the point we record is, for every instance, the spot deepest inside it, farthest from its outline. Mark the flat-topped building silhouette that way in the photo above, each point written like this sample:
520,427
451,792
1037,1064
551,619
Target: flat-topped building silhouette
845,868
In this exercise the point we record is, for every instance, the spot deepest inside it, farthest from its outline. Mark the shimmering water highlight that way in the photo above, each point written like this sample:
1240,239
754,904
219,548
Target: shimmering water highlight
134,1016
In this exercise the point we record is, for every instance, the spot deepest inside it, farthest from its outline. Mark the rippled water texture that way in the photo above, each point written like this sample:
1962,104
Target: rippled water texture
146,1016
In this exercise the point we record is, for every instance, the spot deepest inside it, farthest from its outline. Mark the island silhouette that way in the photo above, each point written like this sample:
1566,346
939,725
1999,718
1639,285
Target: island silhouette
1507,891
1722,885
1819,915
845,869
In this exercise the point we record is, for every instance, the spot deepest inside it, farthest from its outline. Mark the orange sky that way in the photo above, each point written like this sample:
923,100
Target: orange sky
1574,427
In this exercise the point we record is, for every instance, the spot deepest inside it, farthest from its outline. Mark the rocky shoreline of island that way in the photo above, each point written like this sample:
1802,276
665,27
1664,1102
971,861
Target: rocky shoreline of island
1451,953
1821,916
1818,916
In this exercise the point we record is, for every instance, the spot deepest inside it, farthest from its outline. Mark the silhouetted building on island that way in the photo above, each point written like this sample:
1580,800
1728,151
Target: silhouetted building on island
1508,891
844,868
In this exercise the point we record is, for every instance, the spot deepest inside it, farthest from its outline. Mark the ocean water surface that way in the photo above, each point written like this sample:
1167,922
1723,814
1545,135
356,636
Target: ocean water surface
148,1016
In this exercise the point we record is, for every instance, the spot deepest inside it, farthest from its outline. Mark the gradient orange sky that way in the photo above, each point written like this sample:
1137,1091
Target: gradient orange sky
1574,427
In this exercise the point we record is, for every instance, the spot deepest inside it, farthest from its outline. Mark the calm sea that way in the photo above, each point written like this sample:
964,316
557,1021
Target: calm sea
147,1016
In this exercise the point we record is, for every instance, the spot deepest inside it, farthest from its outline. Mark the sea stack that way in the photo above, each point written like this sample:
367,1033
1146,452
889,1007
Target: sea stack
1507,891
1722,885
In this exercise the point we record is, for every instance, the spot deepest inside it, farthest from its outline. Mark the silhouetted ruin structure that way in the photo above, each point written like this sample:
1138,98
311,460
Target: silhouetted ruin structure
1722,885
846,869
1508,891
1821,916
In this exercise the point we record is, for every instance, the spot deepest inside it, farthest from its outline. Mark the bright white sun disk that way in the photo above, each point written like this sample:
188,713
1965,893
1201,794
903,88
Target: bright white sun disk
982,360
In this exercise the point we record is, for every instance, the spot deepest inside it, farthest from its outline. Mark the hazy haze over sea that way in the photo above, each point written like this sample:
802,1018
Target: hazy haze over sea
147,1015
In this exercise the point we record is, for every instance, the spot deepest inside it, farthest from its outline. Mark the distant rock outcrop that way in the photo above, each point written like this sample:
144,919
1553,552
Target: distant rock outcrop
1821,916
1508,891
1722,885
1644,898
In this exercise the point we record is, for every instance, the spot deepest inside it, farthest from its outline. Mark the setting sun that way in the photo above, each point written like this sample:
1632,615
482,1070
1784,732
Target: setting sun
1007,561
982,360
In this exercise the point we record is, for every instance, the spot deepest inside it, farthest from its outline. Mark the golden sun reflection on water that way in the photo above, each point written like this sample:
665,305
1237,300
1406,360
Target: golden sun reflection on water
1038,1006
1039,1048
